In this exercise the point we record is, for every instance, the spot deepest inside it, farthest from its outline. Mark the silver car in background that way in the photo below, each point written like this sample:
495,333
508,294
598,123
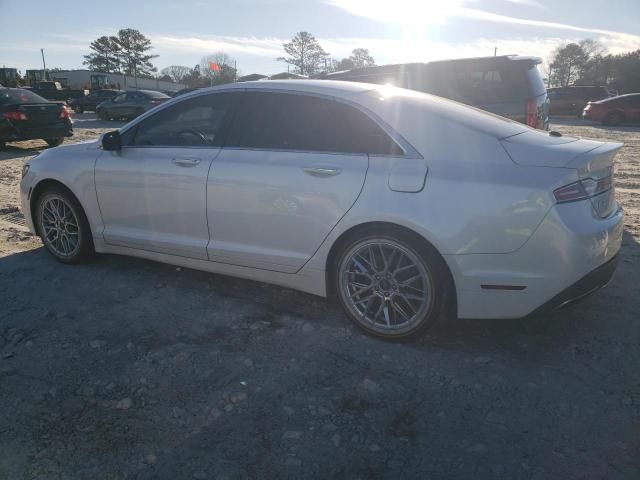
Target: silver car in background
400,203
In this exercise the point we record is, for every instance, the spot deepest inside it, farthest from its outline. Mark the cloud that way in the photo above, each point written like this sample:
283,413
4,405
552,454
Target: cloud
528,3
412,12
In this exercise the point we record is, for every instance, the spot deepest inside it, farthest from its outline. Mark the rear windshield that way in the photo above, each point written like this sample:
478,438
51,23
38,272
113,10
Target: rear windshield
11,96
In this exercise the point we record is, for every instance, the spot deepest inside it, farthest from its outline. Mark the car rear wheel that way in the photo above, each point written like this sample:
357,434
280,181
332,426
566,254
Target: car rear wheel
54,142
390,286
102,115
78,109
612,119
63,226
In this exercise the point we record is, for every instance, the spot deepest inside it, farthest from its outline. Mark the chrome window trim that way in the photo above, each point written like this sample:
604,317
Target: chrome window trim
409,151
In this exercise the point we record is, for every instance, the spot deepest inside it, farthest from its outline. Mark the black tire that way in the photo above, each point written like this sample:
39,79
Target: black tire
54,142
83,250
3,145
613,119
101,114
78,109
434,270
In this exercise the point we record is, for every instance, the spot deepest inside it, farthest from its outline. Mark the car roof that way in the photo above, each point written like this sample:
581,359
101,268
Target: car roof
328,87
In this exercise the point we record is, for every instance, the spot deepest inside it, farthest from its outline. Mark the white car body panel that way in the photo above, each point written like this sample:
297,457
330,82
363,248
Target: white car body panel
273,209
155,198
479,188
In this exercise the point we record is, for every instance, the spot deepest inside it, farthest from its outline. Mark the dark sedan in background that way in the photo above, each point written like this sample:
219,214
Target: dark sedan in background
90,102
129,105
27,116
614,110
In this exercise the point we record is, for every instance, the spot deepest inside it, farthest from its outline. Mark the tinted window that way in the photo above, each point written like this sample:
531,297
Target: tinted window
298,122
194,122
9,96
120,98
152,94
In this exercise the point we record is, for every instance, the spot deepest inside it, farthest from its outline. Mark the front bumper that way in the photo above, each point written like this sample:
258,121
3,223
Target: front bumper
570,244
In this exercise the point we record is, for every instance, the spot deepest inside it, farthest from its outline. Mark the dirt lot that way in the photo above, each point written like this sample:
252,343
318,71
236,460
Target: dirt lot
131,369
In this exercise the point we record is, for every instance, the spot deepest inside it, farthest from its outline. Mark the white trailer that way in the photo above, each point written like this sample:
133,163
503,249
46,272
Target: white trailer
90,80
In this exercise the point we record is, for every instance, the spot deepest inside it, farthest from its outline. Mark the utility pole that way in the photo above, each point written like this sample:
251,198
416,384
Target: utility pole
44,65
495,51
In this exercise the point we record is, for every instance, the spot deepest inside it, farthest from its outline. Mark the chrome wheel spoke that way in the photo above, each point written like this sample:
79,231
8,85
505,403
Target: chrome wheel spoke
385,285
60,227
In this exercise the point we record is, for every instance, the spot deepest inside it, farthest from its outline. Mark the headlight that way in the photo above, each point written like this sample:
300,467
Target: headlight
25,169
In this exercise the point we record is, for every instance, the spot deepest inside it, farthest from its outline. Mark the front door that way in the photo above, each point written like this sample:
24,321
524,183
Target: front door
152,192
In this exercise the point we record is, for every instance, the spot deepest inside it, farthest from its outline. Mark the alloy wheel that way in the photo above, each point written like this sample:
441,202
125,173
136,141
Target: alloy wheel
60,226
386,286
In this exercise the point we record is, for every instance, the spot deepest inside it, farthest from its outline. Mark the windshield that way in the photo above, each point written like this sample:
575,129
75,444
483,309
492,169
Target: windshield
11,96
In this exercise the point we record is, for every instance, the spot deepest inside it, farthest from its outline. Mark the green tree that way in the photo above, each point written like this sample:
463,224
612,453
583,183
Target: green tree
626,72
305,53
133,53
567,64
104,56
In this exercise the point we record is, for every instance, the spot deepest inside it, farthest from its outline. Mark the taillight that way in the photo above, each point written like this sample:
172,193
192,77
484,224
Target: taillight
64,112
15,116
582,189
531,113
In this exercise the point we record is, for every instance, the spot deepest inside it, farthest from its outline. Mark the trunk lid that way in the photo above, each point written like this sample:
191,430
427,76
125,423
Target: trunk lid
42,113
592,160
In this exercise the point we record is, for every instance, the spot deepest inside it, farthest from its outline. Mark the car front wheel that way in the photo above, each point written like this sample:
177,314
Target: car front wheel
63,226
390,286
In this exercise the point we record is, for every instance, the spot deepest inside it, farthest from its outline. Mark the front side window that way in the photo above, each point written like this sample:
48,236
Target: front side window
120,98
283,121
194,122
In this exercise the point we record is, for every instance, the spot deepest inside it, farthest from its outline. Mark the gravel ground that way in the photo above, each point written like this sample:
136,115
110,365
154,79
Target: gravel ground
126,368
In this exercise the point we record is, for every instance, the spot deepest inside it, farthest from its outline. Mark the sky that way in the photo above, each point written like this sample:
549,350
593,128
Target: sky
253,31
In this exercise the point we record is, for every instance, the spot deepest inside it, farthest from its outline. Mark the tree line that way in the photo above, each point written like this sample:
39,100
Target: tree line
127,53
588,62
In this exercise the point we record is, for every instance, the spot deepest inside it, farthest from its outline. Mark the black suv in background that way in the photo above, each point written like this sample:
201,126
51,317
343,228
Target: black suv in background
509,85
571,100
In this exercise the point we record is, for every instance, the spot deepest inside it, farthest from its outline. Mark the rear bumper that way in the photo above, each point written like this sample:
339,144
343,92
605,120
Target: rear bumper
12,134
591,282
570,254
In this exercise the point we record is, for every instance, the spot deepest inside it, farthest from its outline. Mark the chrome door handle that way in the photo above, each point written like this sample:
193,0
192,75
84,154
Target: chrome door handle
322,171
186,162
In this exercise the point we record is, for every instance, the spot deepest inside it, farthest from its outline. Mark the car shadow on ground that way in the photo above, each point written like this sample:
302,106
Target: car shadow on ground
89,121
526,336
16,150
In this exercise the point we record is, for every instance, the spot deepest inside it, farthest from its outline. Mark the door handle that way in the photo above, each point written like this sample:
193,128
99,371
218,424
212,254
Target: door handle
322,171
186,162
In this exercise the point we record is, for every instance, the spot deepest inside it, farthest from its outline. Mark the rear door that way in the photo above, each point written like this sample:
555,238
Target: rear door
292,166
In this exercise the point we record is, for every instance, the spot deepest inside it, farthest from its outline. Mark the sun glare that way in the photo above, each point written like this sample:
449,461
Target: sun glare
408,13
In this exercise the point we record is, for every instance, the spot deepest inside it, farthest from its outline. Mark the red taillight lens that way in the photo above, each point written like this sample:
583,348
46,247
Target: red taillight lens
15,116
582,189
531,113
64,112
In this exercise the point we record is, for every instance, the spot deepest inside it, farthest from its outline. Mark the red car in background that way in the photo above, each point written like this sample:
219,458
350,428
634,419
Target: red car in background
614,110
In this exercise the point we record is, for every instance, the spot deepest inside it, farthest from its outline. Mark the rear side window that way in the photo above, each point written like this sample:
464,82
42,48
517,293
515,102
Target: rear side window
10,96
283,121
194,122
485,83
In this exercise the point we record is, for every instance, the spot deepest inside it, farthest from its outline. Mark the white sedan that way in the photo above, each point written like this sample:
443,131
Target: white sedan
402,204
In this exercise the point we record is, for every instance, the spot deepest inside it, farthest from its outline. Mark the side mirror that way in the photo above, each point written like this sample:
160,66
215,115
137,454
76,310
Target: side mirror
111,141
